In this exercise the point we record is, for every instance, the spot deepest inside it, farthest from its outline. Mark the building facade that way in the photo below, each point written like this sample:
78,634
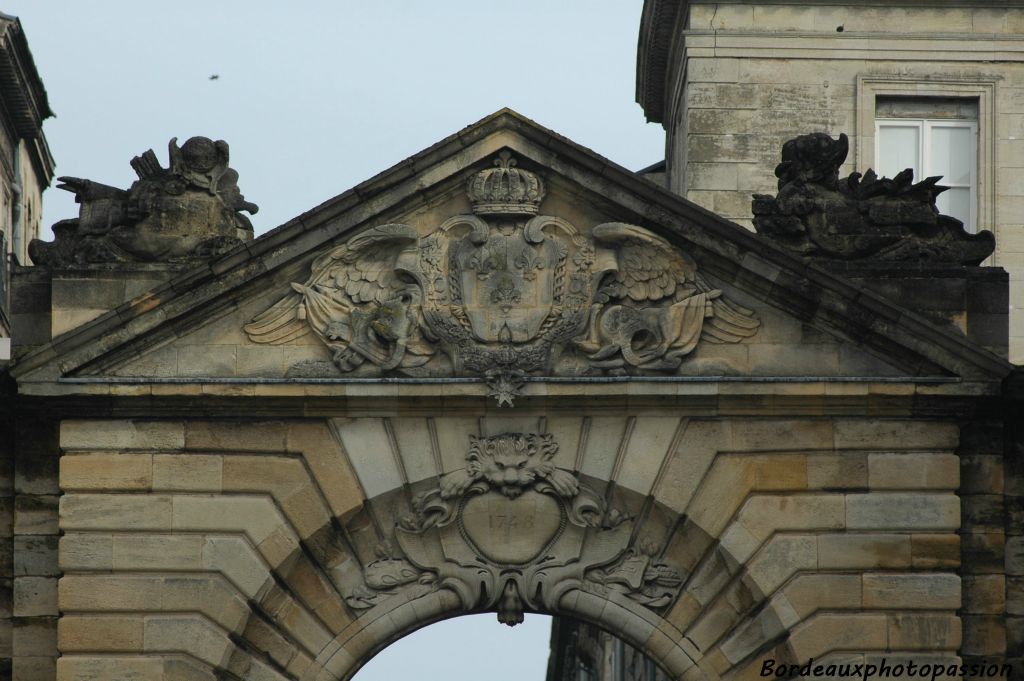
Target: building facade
933,86
26,168
509,376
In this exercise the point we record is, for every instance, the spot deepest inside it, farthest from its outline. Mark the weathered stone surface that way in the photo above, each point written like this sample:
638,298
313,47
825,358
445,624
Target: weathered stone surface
901,510
914,591
507,285
867,217
188,212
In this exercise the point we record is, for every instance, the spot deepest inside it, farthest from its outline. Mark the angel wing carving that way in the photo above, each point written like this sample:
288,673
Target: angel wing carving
362,300
672,307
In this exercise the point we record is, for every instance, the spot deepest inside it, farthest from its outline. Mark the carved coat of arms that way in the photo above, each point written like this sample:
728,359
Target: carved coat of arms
504,293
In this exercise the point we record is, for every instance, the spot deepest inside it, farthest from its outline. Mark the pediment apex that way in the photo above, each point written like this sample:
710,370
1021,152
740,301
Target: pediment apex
723,251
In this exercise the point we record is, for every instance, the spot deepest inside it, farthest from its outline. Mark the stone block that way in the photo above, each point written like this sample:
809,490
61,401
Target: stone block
35,637
36,555
35,514
808,593
844,551
712,176
369,450
983,635
115,512
179,633
213,436
827,632
233,558
280,475
981,474
913,471
95,668
933,551
984,553
985,594
1015,555
256,516
879,434
206,360
88,551
762,515
646,451
924,632
783,556
187,472
35,596
158,552
106,472
412,435
121,434
1015,596
105,592
329,465
33,668
934,591
902,511
97,634
212,595
983,512
843,471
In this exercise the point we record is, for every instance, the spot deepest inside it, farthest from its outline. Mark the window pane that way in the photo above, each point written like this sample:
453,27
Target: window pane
951,154
956,202
898,148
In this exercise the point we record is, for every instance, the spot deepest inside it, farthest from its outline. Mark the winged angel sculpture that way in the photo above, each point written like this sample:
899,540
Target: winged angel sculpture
504,293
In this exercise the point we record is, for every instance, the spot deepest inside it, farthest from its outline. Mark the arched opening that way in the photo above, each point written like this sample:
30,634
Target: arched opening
465,648
543,648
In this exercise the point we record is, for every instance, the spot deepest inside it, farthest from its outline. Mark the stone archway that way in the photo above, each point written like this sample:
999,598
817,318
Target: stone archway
246,547
279,461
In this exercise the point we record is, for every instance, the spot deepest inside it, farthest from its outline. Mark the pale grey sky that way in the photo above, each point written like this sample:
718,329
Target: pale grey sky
318,97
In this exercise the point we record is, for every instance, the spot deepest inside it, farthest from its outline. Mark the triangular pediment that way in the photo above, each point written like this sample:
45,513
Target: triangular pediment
503,252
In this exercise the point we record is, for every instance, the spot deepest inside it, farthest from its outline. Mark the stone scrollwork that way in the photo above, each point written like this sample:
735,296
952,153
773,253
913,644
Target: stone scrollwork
860,217
505,293
513,532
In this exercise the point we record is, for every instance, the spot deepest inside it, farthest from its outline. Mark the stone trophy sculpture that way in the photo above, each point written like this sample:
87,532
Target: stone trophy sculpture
860,217
189,211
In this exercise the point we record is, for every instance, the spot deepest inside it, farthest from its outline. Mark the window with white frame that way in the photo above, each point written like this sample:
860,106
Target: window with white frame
932,136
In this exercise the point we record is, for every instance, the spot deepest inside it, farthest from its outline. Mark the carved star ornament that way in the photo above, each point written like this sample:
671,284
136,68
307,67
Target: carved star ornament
503,294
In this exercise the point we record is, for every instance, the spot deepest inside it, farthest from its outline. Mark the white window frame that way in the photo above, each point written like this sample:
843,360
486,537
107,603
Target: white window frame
924,161
870,87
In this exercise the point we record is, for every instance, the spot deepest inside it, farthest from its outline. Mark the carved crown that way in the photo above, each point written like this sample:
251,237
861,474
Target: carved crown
505,189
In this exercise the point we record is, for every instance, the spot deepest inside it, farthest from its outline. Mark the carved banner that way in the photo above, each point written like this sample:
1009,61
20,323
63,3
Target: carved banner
504,293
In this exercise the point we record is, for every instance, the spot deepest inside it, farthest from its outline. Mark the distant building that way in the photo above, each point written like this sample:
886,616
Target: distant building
26,166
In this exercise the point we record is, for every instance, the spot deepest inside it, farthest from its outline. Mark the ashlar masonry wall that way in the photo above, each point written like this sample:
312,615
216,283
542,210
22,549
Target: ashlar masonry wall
192,548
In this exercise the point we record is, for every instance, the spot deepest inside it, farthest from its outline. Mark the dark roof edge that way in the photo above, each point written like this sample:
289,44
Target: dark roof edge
657,27
21,85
